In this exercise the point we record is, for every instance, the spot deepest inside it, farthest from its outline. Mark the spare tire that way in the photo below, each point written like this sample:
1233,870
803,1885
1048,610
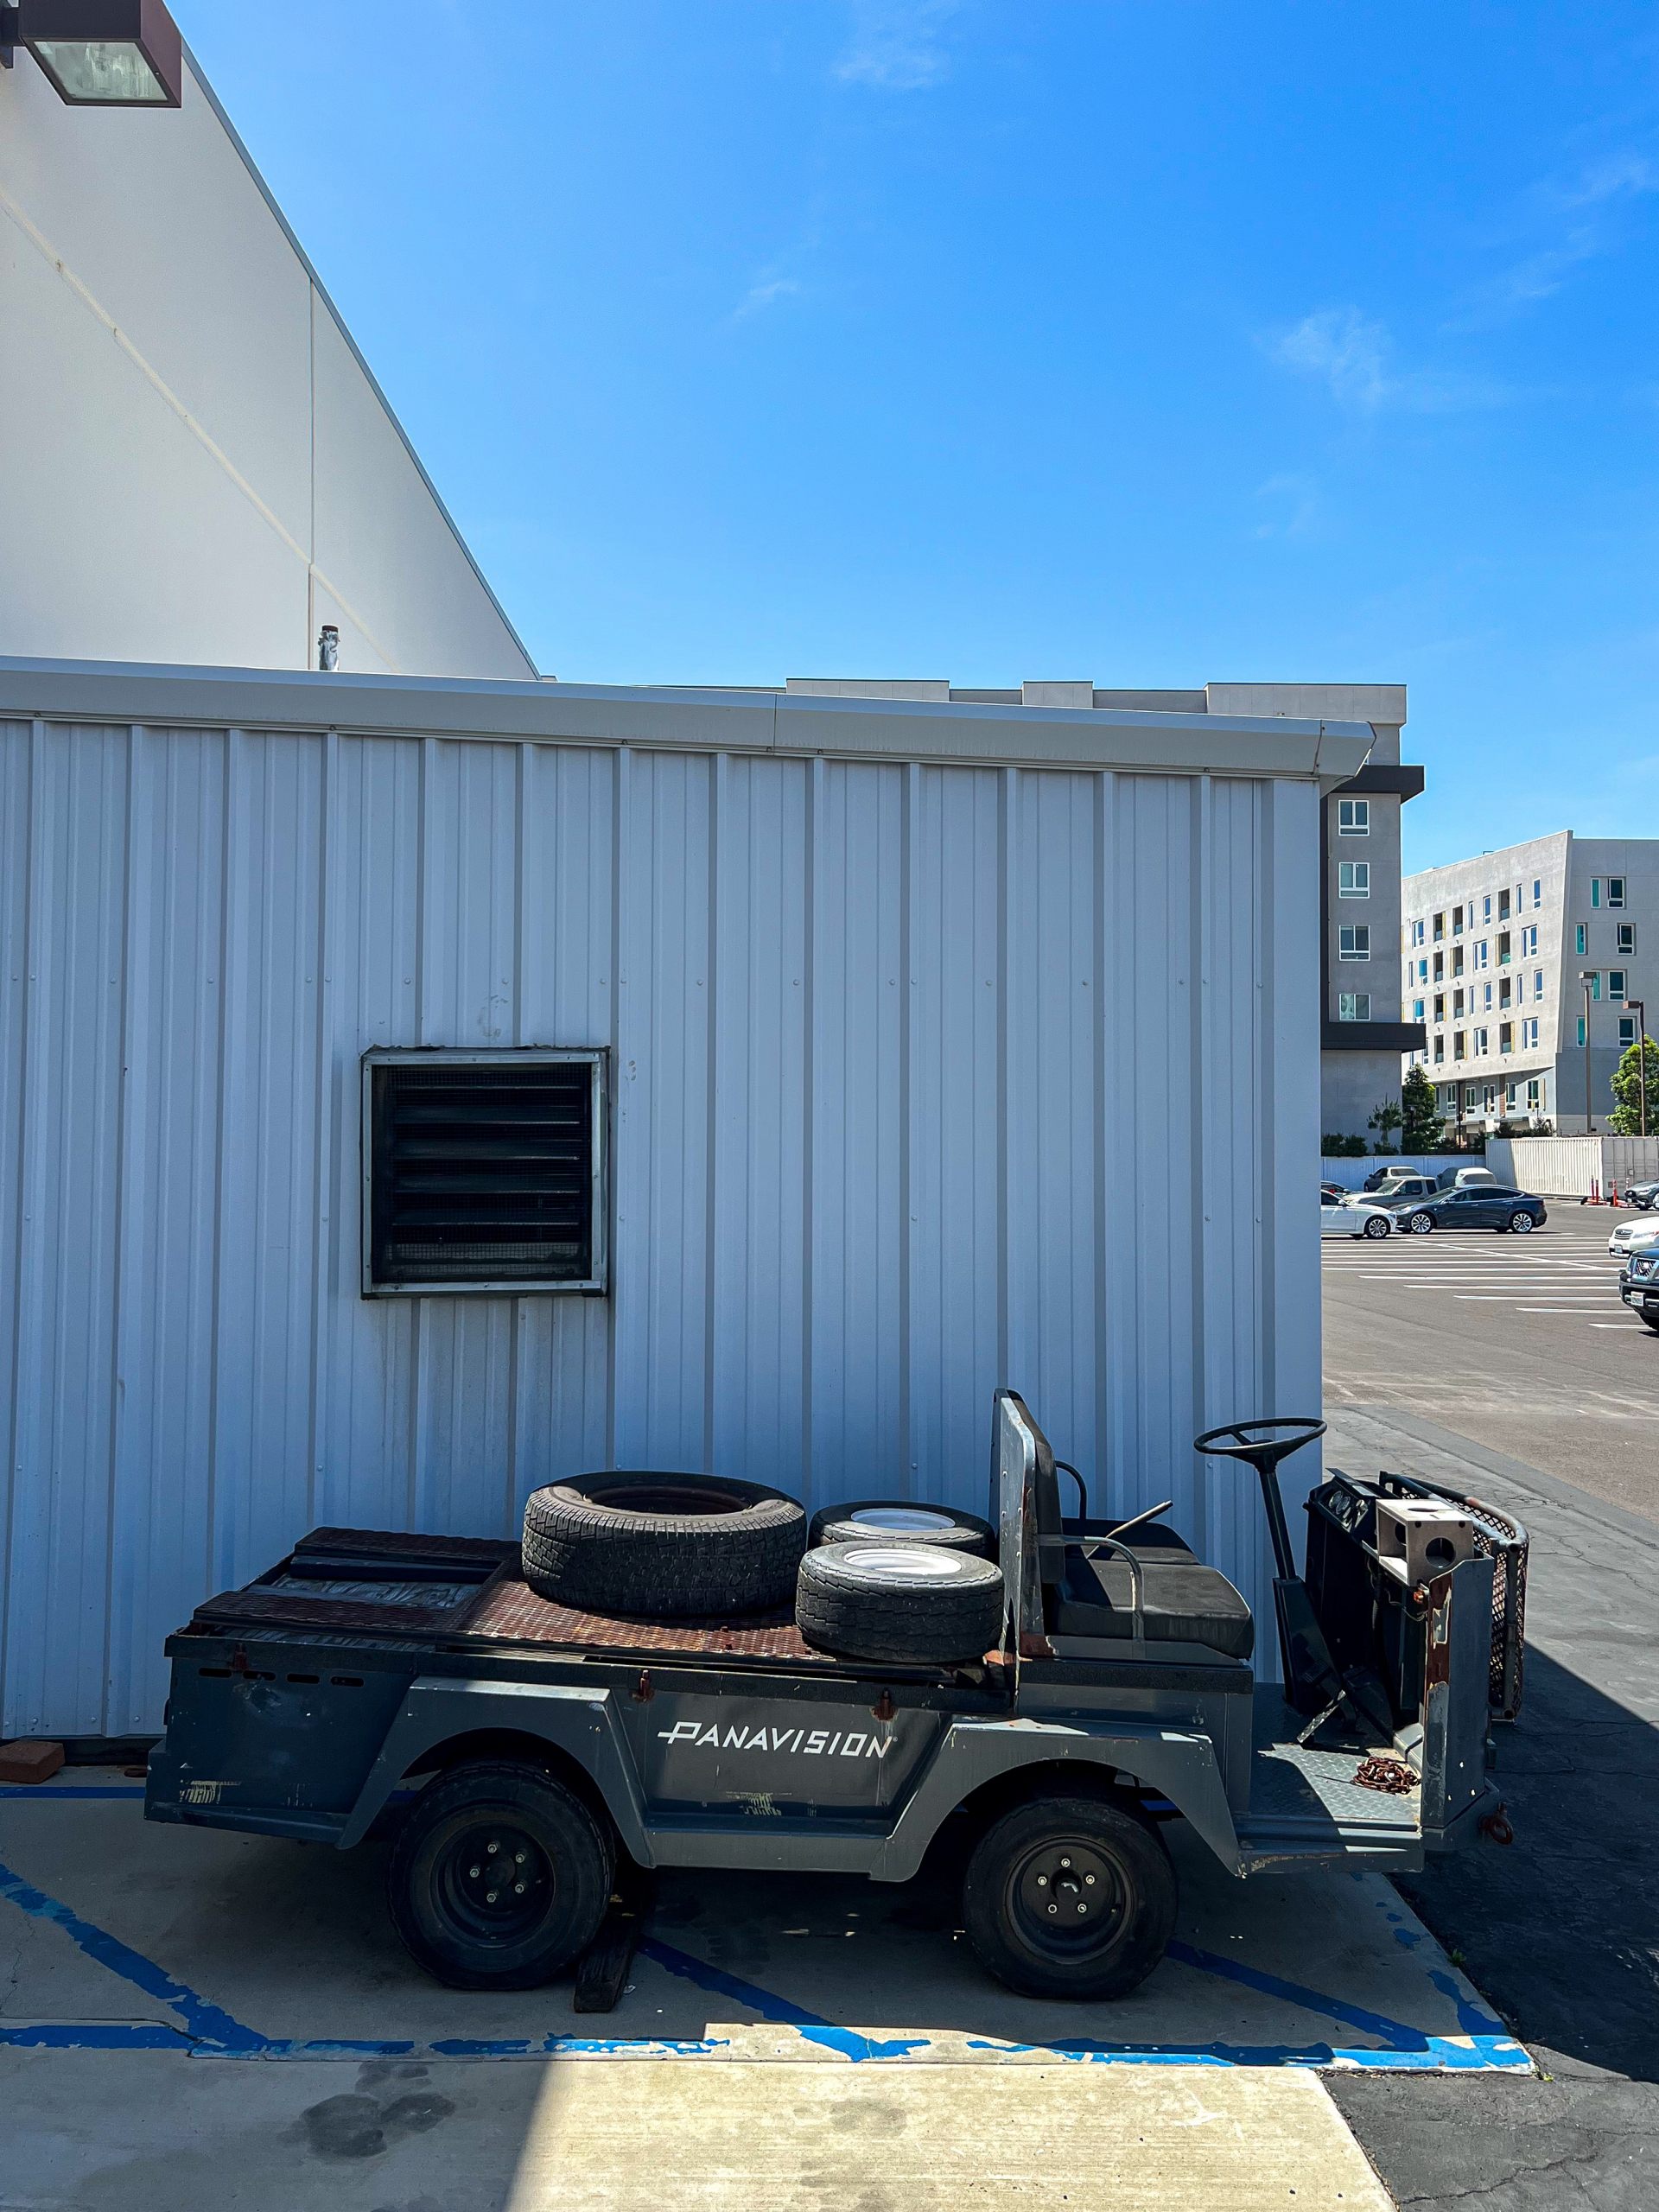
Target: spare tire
902,1520
921,1603
674,1546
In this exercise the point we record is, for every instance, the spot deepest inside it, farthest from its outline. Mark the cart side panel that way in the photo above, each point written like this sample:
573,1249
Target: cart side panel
277,1736
772,1758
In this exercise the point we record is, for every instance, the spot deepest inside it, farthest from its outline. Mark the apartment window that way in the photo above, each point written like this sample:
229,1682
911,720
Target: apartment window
1456,1006
1627,939
1580,1029
1503,992
1627,1029
1422,970
1480,1044
1486,908
1416,1010
1615,891
1471,1096
1537,891
1511,1093
1354,941
1354,1006
1489,1098
1595,891
1459,1044
1457,959
1534,1096
1615,982
1439,967
1582,939
1353,879
1440,927
1529,1033
1439,1005
1529,941
1502,905
1594,980
1506,1036
1439,1050
1353,818
1503,949
1416,932
1457,921
483,1171
1486,996
1537,983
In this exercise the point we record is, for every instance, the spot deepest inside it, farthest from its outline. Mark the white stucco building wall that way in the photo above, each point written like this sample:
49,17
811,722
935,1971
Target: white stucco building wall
200,465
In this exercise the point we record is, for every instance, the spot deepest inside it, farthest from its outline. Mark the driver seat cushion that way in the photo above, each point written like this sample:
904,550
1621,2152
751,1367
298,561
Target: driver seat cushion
1186,1603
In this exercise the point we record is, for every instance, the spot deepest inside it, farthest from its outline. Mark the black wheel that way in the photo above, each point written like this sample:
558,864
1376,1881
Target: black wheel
1070,1897
897,1521
1377,1226
672,1546
499,1877
1521,1224
918,1603
1422,1224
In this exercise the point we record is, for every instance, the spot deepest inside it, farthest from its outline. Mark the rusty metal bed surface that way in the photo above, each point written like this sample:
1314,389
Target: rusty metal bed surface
466,1590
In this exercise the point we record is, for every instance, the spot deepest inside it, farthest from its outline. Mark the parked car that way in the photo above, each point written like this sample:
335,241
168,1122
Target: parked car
1638,1286
1354,1217
1632,1236
1402,1189
1491,1205
1457,1178
1332,1194
1645,1195
1377,1177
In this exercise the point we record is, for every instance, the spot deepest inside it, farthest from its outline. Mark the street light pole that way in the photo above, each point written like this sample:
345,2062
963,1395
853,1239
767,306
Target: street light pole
1641,1013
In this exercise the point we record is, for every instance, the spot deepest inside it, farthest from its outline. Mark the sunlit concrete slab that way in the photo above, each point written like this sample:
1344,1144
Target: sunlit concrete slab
102,2132
118,1933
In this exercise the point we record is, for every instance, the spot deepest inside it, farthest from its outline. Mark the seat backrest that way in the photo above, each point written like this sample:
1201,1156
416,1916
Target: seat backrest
1046,1499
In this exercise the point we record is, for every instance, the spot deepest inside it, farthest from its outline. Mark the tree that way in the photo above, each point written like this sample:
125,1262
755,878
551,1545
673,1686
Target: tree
1627,1089
1335,1146
1422,1123
1385,1118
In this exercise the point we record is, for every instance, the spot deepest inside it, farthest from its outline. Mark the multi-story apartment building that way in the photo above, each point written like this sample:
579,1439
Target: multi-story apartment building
1501,957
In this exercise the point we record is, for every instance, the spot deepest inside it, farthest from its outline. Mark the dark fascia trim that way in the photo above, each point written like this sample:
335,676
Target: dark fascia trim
1374,1037
1402,783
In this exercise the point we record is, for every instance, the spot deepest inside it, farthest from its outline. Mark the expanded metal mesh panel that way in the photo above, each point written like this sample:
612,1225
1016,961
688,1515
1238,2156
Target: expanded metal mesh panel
481,1173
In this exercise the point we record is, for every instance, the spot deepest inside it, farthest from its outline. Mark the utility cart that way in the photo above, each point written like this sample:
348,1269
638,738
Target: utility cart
529,1758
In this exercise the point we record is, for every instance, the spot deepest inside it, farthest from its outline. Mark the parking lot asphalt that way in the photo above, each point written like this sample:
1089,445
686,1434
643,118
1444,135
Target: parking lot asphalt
1518,1343
1560,1931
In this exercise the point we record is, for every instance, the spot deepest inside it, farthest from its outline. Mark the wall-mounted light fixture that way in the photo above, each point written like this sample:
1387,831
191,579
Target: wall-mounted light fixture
100,53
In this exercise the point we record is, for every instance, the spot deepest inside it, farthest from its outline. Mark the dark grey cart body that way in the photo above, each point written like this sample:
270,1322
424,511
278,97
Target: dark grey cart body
309,1704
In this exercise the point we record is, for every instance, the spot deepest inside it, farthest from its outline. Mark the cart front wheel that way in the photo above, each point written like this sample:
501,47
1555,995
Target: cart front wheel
1070,1897
500,1876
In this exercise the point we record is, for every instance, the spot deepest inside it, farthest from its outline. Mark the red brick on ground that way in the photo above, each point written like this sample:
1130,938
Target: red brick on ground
28,1761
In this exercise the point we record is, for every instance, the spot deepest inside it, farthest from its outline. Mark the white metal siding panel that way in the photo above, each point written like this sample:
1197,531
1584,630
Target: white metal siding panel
925,1078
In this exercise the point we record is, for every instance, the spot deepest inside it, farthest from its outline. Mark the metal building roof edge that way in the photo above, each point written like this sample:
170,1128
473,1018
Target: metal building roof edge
690,720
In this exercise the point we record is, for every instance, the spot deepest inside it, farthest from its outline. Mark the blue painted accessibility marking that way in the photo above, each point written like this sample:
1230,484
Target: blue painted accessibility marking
206,2030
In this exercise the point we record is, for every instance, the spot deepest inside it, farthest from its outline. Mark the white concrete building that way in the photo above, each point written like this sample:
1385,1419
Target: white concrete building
200,465
1494,953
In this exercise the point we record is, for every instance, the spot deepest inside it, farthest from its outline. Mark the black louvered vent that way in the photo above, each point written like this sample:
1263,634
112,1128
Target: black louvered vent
481,1173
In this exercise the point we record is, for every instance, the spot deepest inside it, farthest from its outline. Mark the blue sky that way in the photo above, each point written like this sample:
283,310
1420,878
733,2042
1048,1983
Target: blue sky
748,338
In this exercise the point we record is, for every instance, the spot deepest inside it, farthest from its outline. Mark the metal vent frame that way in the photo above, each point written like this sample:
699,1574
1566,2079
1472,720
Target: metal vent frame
596,1058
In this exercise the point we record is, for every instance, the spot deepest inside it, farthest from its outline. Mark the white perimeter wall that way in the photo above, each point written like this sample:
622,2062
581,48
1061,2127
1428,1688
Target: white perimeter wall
1567,1166
926,1079
198,465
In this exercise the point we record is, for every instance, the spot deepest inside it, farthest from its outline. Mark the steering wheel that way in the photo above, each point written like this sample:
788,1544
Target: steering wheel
1263,1452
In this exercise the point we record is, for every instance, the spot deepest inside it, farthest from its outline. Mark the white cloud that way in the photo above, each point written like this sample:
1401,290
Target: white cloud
763,295
1354,358
1571,221
1298,497
895,44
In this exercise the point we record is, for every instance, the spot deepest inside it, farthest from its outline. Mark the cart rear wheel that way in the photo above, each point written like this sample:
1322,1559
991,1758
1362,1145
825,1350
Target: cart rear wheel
1070,1897
500,1876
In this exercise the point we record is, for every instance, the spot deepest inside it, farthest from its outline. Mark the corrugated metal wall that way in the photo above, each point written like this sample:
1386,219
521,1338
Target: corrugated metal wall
926,1079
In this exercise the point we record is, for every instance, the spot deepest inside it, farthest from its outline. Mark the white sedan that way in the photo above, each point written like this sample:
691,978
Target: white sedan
1633,1237
1356,1217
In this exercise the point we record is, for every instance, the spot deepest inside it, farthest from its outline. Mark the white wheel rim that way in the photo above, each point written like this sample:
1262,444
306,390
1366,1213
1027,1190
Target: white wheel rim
908,1563
896,1520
